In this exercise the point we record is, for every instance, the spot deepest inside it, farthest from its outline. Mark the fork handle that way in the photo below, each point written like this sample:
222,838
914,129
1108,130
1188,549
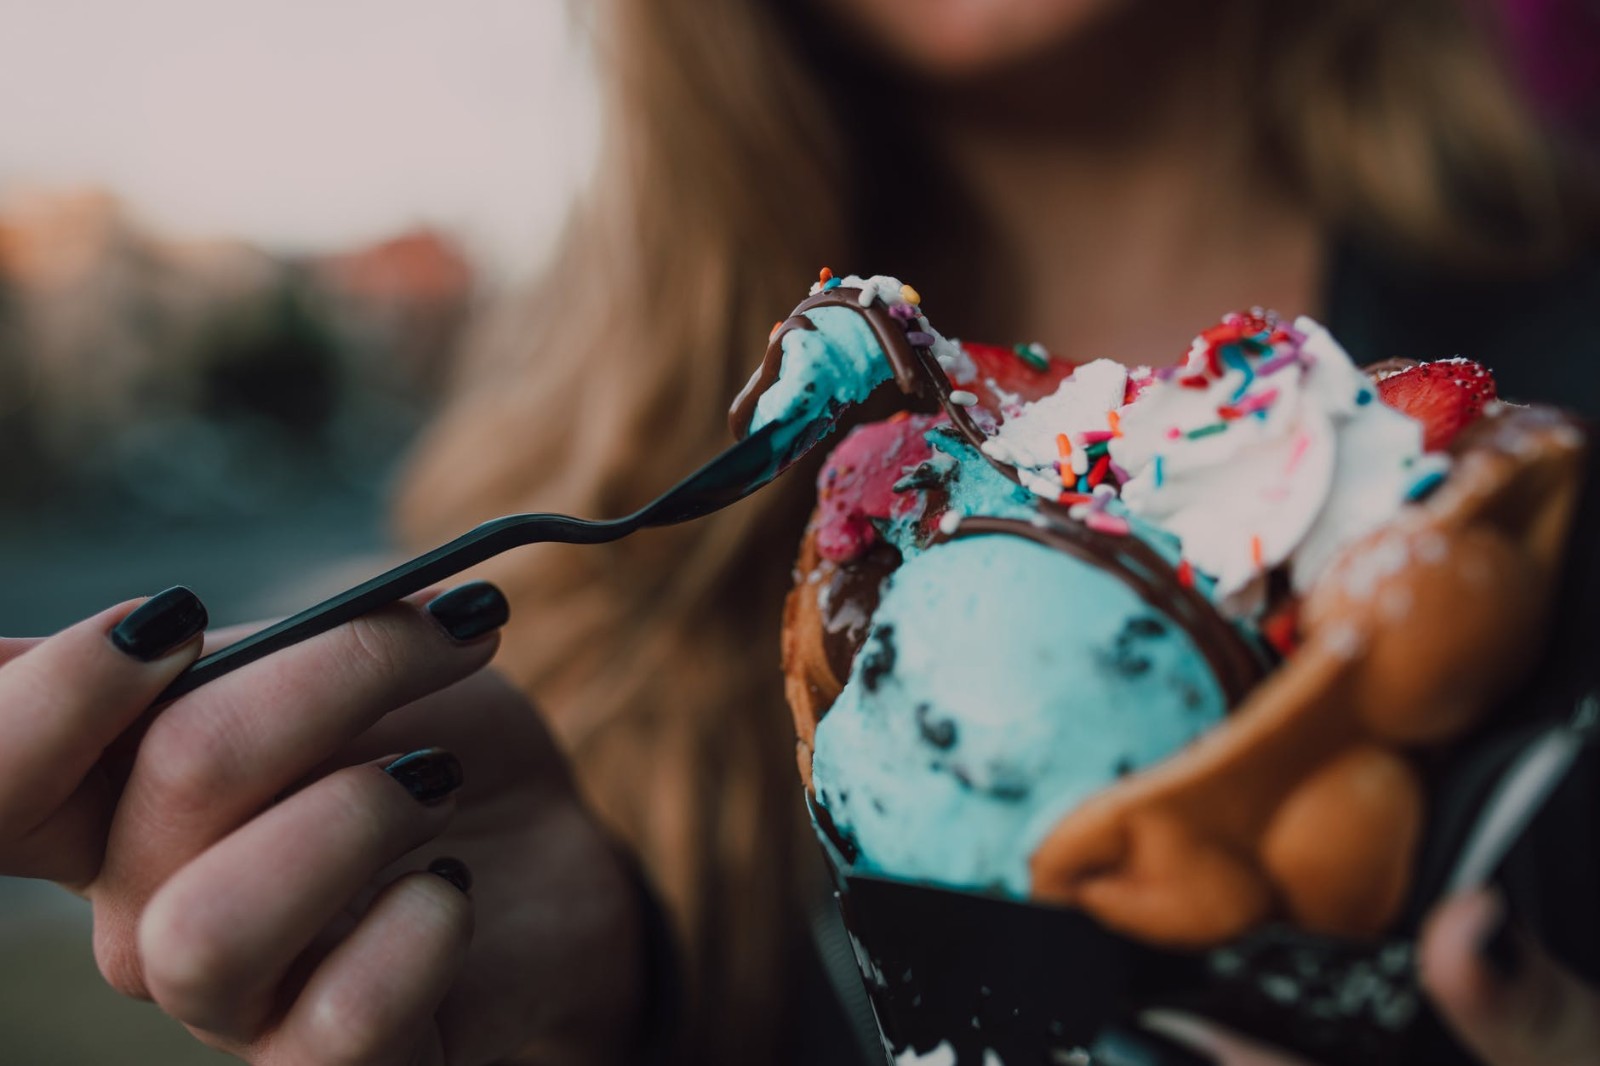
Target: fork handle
473,547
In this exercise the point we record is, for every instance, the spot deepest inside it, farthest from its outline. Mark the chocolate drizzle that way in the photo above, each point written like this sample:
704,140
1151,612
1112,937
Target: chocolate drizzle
916,371
847,601
909,368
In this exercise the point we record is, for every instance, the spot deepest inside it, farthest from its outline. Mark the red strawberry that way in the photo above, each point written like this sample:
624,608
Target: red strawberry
1004,370
857,483
1445,397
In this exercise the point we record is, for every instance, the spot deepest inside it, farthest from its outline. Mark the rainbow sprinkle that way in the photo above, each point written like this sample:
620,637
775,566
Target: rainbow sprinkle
1101,522
1277,363
1256,554
1207,431
1425,485
1259,402
1185,574
1097,472
1298,452
1033,355
1157,471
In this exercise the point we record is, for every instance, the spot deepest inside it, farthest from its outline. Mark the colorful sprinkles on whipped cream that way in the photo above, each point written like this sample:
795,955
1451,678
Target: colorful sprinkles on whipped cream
1231,451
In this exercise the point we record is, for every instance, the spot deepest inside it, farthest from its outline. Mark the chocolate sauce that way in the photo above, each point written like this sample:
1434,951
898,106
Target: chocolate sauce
847,601
766,375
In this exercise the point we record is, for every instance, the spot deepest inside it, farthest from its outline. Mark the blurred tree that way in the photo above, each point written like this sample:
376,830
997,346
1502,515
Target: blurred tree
275,358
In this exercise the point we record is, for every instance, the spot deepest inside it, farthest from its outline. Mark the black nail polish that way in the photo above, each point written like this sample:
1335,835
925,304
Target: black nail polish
471,610
429,775
453,870
1119,1046
160,624
1501,948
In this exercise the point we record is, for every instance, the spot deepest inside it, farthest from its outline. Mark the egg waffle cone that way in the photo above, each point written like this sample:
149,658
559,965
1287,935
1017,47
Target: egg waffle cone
809,682
1306,802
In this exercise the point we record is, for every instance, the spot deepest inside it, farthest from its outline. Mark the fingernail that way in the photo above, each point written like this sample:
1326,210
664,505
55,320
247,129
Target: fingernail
453,870
471,610
429,775
1499,946
161,624
1120,1046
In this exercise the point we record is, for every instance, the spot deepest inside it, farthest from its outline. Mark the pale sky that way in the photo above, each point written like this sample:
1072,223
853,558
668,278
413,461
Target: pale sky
305,123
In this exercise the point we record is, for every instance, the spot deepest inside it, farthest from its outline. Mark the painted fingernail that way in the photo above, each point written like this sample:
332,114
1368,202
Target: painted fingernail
453,870
429,775
161,624
471,610
1119,1046
1500,948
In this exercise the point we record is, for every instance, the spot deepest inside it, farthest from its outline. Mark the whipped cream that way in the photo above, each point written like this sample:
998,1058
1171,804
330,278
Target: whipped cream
1267,447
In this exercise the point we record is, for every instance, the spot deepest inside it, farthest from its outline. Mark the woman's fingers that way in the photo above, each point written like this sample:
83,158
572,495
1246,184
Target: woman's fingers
63,700
374,997
1504,997
219,938
214,758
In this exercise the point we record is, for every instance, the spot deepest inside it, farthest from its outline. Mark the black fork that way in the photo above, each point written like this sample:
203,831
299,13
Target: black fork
727,479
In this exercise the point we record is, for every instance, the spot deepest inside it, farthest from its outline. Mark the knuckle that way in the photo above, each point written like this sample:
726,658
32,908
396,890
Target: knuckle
349,1025
188,963
364,814
377,647
191,761
355,802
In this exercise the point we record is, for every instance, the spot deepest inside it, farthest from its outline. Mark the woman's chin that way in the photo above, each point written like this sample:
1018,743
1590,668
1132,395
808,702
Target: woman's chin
956,40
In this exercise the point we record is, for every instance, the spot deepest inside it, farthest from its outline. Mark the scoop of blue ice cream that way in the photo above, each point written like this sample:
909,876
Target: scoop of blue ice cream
1002,683
835,364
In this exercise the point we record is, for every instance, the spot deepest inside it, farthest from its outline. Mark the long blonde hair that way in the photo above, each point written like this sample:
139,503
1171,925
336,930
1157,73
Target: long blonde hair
733,167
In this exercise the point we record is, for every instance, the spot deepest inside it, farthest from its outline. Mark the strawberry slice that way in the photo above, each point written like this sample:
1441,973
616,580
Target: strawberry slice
1010,376
1446,397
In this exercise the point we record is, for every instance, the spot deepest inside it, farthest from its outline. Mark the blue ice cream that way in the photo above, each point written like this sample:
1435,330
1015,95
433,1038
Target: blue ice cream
839,362
1001,684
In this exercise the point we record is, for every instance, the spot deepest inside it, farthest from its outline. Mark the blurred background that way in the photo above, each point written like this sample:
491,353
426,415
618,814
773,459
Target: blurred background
239,243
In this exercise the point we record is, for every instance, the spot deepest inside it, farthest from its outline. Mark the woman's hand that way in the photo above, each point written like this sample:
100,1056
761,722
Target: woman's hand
1506,999
256,872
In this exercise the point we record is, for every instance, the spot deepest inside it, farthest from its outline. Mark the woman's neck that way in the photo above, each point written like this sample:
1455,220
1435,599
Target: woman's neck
1130,207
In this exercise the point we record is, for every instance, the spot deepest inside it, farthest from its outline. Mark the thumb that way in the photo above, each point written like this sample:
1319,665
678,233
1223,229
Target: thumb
1502,995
